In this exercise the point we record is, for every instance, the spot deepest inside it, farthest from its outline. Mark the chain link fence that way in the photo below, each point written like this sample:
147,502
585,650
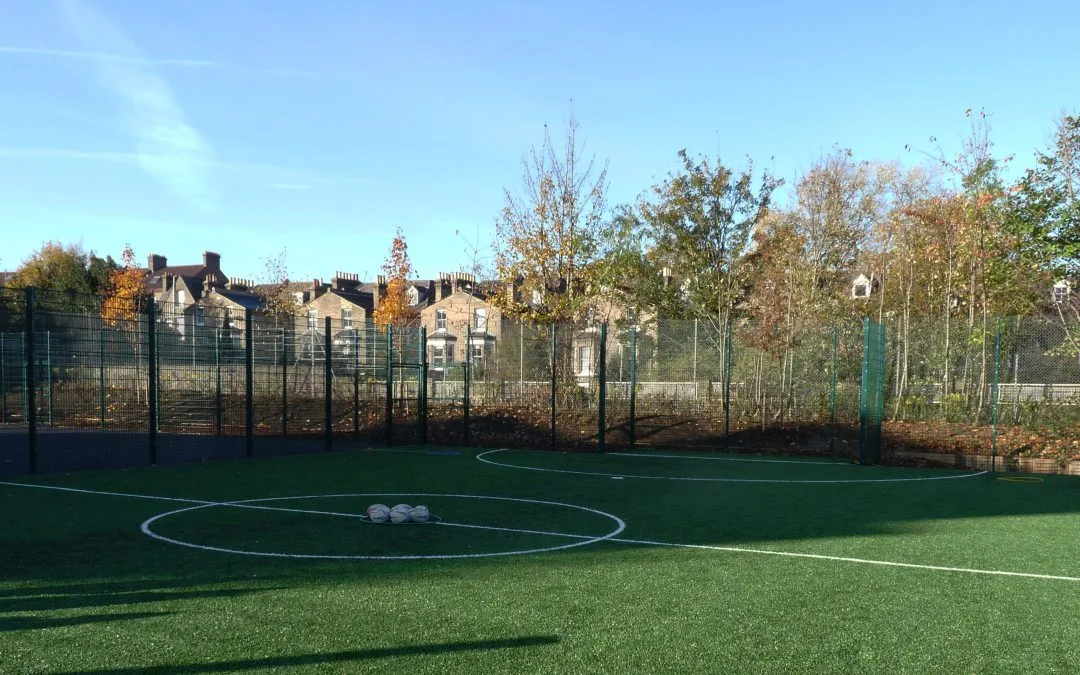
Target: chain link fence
80,387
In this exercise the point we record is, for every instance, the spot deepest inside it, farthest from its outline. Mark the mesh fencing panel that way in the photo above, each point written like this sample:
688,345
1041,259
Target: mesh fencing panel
93,381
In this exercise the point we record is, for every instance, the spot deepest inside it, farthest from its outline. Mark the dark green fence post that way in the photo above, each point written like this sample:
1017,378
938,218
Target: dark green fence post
217,382
152,375
422,384
468,368
389,385
997,371
356,385
633,386
832,396
3,380
728,342
284,382
49,373
554,341
31,382
601,436
101,377
328,385
249,382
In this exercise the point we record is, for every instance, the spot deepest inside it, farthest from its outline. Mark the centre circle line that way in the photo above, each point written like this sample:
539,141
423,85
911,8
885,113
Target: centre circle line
583,540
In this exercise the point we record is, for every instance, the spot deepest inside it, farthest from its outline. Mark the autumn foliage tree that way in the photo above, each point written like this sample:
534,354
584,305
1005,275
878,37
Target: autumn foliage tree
394,308
549,237
277,297
126,293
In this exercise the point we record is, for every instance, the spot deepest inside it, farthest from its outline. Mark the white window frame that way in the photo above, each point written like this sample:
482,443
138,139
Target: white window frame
476,351
1061,292
438,356
200,316
312,319
414,296
584,360
440,319
480,319
346,317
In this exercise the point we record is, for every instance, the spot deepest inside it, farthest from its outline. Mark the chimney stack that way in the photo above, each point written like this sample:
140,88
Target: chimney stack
344,281
212,261
156,262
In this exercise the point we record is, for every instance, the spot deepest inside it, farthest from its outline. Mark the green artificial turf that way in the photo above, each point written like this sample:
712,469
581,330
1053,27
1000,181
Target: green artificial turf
687,586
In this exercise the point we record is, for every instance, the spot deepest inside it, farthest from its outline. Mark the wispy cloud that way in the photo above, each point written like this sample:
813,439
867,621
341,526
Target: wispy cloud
167,147
266,175
194,64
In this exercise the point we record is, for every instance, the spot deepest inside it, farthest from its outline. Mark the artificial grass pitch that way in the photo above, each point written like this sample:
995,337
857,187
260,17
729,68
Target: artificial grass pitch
671,563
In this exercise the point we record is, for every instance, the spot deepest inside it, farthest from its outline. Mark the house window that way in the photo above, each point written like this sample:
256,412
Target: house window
537,297
442,356
200,317
414,296
1061,292
584,360
440,319
480,320
346,317
860,291
312,319
181,297
477,352
227,317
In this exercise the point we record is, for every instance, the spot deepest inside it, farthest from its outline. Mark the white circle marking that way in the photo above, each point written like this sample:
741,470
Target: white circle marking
620,525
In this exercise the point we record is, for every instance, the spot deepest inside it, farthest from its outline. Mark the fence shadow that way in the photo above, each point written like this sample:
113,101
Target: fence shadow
343,657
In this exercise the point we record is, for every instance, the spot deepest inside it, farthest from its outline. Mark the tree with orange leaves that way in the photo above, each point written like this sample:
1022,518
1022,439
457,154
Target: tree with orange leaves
126,294
394,308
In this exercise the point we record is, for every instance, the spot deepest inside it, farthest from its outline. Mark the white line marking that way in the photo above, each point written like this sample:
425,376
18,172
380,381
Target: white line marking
586,539
482,458
861,561
729,459
110,494
514,529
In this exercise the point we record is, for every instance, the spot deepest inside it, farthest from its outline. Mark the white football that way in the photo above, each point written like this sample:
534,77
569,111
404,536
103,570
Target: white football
378,513
400,513
419,514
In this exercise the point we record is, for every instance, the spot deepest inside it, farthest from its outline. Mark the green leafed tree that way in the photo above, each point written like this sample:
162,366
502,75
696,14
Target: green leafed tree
700,221
63,275
1045,203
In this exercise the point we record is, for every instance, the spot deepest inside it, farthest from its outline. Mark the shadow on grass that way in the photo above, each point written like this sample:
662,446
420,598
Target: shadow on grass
36,603
15,623
101,587
327,659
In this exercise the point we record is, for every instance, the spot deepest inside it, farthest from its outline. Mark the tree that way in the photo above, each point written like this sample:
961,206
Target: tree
274,290
1045,203
548,240
126,292
394,308
62,274
837,203
701,221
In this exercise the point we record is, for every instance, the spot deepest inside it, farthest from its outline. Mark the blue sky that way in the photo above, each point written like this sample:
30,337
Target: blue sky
252,126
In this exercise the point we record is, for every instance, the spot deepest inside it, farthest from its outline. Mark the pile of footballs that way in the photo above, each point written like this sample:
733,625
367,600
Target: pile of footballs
402,513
